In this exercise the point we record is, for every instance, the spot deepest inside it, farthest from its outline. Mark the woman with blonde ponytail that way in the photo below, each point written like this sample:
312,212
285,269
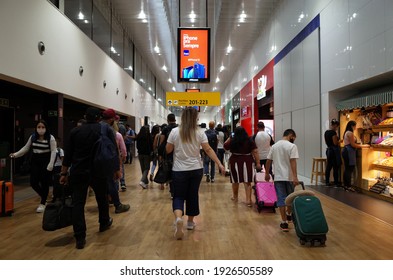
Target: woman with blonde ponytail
187,172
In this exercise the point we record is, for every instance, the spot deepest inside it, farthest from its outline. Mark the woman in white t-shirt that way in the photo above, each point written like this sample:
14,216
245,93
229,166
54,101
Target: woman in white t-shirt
187,171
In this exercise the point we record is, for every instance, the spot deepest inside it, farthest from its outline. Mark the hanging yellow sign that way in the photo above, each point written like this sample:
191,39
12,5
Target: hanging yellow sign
193,98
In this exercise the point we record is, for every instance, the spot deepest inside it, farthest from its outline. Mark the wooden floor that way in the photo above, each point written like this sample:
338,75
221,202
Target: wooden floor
225,230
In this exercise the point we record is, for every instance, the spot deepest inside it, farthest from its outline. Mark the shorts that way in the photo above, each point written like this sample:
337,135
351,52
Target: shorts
283,189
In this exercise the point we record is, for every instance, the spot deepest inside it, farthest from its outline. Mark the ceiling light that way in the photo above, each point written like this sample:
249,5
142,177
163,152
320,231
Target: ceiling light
217,80
229,48
222,68
170,80
159,99
157,49
173,88
142,15
164,68
81,16
113,50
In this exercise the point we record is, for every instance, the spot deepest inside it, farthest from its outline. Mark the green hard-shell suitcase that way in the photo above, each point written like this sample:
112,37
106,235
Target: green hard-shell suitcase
309,220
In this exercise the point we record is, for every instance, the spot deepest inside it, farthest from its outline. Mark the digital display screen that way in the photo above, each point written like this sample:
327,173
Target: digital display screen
193,56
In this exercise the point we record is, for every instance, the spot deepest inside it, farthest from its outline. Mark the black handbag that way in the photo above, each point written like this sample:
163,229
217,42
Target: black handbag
58,214
164,172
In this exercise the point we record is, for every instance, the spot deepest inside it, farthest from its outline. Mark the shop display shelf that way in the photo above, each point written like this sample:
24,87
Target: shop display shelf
378,128
383,148
382,168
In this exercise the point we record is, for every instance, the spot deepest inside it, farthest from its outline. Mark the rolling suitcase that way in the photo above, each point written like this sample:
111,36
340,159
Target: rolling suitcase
7,195
309,220
265,193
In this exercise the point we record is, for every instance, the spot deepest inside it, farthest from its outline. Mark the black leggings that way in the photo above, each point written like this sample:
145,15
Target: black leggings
40,177
348,169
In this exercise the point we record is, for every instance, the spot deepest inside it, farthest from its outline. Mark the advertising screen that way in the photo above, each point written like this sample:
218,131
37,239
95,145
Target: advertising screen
193,55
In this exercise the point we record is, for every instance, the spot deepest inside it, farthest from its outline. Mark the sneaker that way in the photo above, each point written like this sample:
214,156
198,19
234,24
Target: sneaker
190,225
143,185
289,218
123,188
208,178
122,208
40,208
80,243
179,229
212,180
104,227
284,227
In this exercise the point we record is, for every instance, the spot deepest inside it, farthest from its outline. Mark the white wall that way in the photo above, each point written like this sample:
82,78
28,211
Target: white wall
25,23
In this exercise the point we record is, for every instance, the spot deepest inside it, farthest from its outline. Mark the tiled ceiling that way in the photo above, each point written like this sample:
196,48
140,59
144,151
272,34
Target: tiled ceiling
223,17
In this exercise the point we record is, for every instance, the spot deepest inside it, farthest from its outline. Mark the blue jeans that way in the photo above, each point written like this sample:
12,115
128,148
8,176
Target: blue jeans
283,189
206,162
122,180
186,188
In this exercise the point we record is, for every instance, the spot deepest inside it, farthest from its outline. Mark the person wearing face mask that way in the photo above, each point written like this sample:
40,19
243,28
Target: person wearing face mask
284,154
43,146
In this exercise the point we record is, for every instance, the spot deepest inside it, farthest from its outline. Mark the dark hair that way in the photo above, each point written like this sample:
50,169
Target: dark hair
46,135
334,122
92,114
171,118
349,126
155,130
288,132
261,125
239,138
144,133
219,127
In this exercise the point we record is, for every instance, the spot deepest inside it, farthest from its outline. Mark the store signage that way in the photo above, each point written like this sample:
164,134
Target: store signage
262,82
193,98
193,55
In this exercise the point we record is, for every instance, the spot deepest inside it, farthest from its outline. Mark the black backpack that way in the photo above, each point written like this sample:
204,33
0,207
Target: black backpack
212,138
105,157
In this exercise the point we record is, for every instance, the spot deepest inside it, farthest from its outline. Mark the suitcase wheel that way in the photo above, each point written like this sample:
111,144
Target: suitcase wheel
260,204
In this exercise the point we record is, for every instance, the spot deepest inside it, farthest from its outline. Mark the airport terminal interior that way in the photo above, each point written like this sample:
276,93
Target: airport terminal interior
290,63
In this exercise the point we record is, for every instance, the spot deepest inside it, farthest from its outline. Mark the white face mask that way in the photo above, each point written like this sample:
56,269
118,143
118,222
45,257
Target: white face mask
41,131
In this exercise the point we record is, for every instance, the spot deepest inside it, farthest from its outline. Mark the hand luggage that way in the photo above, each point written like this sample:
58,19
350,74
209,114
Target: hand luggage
7,195
309,220
58,214
265,193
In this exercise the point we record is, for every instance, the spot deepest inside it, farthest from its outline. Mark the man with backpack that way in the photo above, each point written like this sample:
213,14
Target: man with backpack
212,138
109,116
77,171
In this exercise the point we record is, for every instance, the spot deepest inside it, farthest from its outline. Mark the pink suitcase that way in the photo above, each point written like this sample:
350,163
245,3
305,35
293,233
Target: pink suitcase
265,196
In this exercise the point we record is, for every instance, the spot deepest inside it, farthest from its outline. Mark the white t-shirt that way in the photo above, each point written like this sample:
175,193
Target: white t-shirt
59,156
281,153
262,140
186,156
220,137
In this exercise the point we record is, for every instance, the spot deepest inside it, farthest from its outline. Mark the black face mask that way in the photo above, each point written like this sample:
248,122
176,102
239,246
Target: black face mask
291,140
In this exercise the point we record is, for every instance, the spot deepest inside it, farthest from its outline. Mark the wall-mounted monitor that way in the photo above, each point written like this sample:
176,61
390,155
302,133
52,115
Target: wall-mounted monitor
193,55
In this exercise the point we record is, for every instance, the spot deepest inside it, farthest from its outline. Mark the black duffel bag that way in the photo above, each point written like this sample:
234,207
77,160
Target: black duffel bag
58,214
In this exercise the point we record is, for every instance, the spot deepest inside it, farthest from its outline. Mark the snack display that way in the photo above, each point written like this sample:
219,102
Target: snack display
388,121
388,162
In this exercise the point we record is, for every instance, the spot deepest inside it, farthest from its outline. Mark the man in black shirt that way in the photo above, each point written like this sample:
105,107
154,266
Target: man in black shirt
332,153
171,119
78,158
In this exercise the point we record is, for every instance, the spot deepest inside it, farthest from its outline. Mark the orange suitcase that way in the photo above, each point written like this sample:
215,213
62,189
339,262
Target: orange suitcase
7,198
7,195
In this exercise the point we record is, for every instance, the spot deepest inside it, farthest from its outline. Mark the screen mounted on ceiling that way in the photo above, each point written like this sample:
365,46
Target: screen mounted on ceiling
193,55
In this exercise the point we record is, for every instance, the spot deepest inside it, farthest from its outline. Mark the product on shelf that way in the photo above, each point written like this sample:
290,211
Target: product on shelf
385,162
387,121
